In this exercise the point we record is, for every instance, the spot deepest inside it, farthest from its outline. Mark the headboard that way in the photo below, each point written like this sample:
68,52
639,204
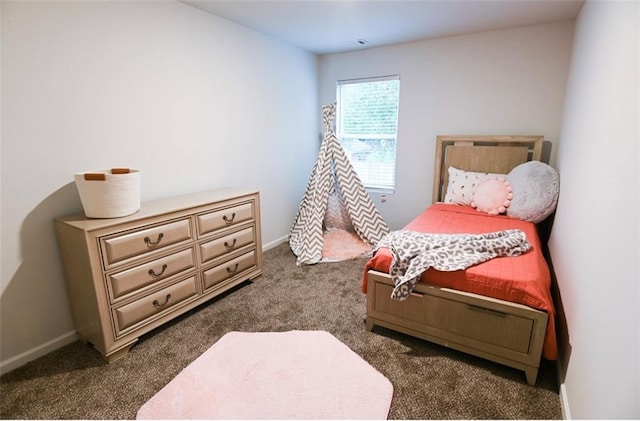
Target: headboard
495,154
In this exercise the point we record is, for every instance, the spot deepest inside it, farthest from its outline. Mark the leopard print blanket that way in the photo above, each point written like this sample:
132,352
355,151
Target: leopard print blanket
415,252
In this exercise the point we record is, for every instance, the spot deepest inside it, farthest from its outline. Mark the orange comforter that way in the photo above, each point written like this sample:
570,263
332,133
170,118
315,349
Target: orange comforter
524,279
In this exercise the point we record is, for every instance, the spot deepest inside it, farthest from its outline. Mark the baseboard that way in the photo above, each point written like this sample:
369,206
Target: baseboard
562,335
275,243
564,403
37,352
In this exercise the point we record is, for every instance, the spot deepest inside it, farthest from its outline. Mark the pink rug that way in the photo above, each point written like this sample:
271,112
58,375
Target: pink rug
274,375
341,245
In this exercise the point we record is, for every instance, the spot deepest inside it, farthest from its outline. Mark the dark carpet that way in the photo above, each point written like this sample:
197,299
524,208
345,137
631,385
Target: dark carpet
430,381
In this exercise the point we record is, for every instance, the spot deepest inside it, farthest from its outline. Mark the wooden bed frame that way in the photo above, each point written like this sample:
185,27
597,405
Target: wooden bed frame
497,330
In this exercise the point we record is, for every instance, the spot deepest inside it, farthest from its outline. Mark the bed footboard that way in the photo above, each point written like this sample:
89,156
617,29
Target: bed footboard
500,331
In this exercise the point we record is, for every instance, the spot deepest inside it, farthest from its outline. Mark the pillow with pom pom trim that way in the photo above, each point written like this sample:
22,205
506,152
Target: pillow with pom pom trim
492,196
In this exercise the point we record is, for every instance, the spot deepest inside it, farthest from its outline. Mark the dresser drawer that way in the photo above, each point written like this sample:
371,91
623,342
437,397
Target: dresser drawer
212,221
136,243
220,246
154,304
228,270
497,328
138,277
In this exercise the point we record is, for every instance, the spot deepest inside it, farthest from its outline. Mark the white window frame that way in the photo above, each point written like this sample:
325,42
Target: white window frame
387,188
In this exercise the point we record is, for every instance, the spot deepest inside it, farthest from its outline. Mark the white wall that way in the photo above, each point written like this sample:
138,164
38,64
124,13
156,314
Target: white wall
594,243
194,101
499,82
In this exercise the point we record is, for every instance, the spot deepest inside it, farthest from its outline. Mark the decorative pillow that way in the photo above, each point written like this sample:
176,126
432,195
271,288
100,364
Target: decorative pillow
462,184
535,186
492,196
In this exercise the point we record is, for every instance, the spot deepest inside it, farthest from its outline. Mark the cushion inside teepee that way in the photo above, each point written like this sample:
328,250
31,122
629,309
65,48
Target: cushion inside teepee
339,245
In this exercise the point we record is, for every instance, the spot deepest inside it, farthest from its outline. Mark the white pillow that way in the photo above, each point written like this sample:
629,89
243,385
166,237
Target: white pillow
462,185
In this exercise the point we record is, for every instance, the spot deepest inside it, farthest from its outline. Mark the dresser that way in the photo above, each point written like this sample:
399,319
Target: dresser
126,276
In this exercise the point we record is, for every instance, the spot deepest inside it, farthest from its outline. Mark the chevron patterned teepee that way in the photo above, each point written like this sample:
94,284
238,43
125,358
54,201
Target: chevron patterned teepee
333,175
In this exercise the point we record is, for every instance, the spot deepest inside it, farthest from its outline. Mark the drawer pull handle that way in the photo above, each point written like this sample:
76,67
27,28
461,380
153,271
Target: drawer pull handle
232,271
229,221
416,294
150,243
232,245
157,304
486,310
156,275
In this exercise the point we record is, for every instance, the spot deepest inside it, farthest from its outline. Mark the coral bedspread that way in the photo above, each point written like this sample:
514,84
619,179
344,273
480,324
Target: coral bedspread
524,279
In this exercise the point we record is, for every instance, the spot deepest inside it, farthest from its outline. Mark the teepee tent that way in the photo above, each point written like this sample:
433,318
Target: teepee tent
334,198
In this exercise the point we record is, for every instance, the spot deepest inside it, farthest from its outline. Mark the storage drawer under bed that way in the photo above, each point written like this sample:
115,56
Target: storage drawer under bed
468,320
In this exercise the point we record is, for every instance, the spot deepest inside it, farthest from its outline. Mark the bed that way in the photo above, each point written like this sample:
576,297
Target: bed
500,309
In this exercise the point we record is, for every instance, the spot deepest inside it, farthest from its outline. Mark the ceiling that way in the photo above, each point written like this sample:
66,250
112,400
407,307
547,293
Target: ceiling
332,26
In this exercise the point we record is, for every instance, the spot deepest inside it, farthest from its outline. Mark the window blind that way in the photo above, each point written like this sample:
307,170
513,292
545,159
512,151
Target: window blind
367,126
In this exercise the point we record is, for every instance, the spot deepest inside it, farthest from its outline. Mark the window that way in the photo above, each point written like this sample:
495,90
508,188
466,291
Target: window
367,127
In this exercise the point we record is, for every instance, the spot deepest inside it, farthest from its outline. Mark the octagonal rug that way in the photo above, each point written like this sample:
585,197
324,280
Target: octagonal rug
274,375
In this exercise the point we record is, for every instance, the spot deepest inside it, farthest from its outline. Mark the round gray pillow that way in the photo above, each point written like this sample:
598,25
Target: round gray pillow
536,186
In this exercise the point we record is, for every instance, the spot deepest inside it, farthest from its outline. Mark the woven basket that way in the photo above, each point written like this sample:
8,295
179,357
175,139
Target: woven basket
109,193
